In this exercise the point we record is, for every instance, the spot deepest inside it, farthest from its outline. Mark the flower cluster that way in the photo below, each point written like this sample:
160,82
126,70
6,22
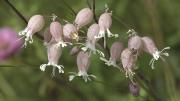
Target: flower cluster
58,36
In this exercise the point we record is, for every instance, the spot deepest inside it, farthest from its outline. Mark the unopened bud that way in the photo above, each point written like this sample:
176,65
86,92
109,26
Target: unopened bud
47,36
83,18
70,31
74,50
134,89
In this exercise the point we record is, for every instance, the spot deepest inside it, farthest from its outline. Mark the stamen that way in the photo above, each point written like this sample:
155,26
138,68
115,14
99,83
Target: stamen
157,55
131,32
84,75
53,17
100,35
110,34
63,44
89,47
130,74
100,53
43,67
110,62
27,35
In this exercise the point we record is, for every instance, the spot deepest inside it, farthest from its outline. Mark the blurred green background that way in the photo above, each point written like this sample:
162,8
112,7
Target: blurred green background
159,19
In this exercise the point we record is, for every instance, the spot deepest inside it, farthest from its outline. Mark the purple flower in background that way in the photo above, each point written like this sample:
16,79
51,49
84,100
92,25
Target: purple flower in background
9,43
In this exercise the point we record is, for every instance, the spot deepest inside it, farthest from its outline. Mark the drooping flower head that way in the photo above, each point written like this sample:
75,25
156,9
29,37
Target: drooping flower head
134,89
56,31
135,44
53,53
115,54
35,24
90,45
128,62
83,18
150,47
9,43
105,22
83,62
70,31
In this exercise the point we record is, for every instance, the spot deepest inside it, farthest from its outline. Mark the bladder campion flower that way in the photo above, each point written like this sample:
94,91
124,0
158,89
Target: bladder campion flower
90,44
115,53
128,62
105,22
83,18
83,62
35,24
150,47
9,43
53,52
57,33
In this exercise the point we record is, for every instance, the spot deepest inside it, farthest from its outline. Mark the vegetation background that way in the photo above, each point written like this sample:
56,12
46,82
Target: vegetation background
22,80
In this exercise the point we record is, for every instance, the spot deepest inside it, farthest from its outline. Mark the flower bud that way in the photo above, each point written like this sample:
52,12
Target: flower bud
134,89
83,18
54,54
115,54
9,43
35,24
70,31
128,62
150,47
74,50
83,62
135,43
47,36
116,50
